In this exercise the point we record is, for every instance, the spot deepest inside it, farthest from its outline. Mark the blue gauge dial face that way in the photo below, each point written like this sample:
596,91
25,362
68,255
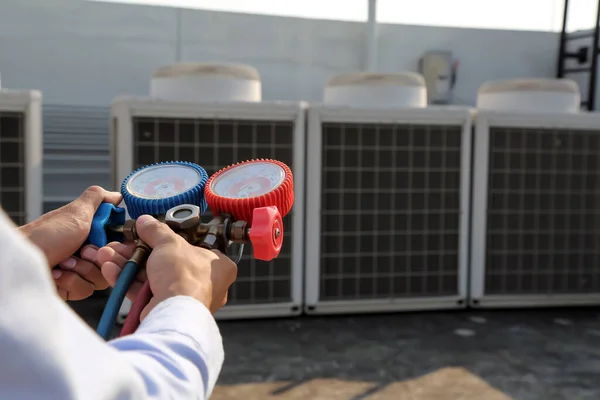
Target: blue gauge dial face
248,180
163,181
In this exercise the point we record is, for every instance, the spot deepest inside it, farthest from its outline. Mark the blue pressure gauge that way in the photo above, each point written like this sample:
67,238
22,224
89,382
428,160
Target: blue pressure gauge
156,188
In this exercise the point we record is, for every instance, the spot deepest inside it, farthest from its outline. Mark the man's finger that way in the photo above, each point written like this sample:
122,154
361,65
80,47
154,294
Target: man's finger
93,196
116,252
111,272
114,198
77,287
62,293
96,195
125,249
108,255
89,252
87,270
119,258
155,233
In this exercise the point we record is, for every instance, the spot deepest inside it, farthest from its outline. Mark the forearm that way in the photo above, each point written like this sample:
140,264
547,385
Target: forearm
179,345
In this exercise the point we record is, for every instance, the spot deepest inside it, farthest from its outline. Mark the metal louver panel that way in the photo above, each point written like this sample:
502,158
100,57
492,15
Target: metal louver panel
76,153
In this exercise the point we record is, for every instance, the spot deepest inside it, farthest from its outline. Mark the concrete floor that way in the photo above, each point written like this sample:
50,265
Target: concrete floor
543,354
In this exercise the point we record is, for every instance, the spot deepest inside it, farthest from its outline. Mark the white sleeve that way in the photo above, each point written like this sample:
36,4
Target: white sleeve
48,352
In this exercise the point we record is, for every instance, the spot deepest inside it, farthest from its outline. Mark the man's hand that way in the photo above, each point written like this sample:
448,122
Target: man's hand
60,233
173,268
77,278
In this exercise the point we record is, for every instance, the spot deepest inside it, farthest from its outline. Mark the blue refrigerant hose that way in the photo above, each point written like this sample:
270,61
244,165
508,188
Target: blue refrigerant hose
113,305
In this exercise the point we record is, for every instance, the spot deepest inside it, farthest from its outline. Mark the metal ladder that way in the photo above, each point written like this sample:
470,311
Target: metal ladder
582,55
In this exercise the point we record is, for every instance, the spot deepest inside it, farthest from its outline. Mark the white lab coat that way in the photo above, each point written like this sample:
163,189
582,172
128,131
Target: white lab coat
48,353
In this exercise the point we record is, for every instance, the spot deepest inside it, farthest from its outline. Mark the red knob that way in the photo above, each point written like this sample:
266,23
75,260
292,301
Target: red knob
239,189
266,233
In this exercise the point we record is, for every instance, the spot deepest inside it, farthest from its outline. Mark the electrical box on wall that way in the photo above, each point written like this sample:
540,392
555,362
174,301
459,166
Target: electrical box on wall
439,71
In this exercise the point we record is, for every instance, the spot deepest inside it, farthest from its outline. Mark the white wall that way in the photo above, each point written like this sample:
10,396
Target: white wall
81,52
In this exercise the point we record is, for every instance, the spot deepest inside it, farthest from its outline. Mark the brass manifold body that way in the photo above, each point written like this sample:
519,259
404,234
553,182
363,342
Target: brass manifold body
185,220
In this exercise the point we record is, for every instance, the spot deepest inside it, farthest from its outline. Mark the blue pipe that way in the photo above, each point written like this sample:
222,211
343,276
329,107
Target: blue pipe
113,305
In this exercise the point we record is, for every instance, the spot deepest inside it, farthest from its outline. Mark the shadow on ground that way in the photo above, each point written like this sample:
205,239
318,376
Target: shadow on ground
495,355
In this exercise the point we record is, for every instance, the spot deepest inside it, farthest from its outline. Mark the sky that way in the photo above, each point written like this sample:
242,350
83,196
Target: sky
538,15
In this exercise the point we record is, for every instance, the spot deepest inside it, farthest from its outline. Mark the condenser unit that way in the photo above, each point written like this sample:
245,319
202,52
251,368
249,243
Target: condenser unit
212,115
536,191
21,154
387,198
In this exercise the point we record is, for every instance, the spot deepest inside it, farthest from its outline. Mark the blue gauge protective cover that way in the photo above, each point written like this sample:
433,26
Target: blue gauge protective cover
106,214
137,206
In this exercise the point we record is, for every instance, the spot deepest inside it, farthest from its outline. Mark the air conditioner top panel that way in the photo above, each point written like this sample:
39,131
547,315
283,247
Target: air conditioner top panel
378,78
535,84
430,115
238,71
18,99
583,120
141,106
140,101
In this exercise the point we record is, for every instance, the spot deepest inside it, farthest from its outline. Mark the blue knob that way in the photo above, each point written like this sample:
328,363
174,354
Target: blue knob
138,204
106,215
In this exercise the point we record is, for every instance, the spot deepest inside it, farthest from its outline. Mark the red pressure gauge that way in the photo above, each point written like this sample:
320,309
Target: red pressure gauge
260,192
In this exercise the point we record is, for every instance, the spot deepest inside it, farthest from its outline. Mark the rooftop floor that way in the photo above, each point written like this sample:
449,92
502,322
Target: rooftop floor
543,354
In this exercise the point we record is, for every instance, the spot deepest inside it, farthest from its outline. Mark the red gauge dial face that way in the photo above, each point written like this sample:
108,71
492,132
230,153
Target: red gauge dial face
248,180
162,181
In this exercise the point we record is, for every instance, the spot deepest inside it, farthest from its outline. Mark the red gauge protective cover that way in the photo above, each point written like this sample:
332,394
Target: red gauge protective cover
242,209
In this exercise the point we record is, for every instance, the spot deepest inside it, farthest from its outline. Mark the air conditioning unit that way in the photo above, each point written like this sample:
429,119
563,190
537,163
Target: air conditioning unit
536,191
212,114
21,154
388,184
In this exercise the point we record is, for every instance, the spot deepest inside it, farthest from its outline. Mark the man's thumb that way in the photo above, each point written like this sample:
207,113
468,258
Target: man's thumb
154,232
